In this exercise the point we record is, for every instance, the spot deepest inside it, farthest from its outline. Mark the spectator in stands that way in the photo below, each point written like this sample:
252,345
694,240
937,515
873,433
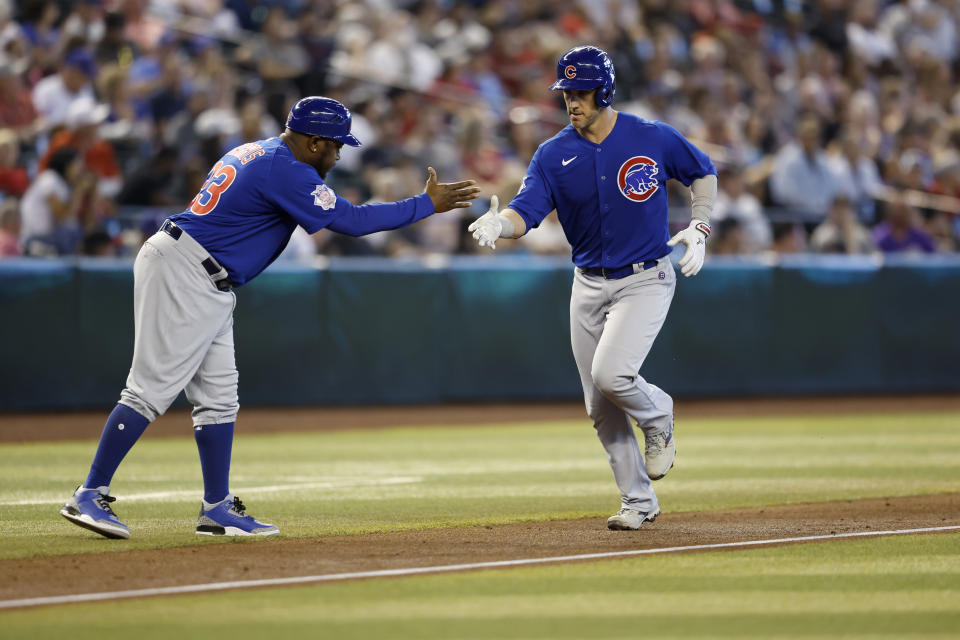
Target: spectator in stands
49,212
867,41
38,23
152,184
16,105
729,239
279,59
856,176
901,232
947,180
801,177
53,96
172,93
9,228
13,177
85,21
98,243
83,120
734,202
788,237
114,48
214,74
128,133
145,73
767,82
941,227
841,232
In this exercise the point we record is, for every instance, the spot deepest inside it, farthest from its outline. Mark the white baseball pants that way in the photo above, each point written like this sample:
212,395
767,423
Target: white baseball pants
613,324
183,334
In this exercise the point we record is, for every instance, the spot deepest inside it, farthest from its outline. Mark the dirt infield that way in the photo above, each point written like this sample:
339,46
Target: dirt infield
207,561
34,427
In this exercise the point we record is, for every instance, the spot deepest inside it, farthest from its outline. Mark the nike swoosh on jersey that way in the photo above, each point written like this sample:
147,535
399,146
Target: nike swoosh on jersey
566,162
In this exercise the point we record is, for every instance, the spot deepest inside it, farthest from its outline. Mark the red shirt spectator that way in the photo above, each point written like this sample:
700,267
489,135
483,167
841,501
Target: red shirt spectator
16,105
13,178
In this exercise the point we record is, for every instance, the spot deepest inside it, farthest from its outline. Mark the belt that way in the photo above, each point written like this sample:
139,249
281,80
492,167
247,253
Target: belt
619,272
211,266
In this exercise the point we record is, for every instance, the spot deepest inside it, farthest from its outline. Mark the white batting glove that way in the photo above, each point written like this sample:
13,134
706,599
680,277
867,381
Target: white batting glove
486,229
695,237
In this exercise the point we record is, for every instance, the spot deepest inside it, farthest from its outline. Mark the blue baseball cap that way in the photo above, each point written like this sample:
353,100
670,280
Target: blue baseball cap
81,59
324,117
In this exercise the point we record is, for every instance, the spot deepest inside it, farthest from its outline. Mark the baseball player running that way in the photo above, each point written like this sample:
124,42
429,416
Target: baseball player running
606,174
184,277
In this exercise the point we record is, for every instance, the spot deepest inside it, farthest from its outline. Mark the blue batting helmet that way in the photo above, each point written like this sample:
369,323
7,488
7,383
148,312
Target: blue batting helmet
324,117
584,68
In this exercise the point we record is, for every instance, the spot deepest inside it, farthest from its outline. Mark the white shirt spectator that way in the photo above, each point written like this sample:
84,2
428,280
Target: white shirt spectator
859,180
36,217
870,45
802,182
52,99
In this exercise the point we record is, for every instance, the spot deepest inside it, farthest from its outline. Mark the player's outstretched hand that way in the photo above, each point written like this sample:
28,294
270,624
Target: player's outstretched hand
695,237
449,195
486,229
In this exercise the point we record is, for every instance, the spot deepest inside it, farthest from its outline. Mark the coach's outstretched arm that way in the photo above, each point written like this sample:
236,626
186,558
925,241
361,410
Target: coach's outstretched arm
437,197
703,193
496,224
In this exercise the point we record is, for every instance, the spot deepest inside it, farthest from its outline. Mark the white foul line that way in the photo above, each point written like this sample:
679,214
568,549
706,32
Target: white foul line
383,573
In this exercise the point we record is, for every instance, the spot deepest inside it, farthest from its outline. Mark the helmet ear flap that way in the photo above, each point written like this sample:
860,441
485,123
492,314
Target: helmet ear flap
604,95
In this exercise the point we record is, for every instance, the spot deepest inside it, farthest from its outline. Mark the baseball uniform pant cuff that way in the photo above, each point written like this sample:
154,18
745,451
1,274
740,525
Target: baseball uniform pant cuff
206,417
131,401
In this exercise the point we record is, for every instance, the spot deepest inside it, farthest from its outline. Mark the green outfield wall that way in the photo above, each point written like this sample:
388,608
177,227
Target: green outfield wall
372,331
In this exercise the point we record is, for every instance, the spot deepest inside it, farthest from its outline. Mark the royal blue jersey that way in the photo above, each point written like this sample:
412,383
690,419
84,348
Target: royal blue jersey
611,198
258,193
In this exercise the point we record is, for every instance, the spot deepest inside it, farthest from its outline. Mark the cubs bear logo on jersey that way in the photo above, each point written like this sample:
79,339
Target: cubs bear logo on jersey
637,178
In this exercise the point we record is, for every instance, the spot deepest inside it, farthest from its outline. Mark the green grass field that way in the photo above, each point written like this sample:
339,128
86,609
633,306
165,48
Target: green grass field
372,480
906,587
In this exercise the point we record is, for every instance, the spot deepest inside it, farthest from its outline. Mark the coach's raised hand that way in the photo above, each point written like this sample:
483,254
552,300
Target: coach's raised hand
449,195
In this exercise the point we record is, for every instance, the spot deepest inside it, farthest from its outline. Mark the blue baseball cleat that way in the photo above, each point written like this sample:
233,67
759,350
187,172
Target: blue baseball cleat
228,518
90,509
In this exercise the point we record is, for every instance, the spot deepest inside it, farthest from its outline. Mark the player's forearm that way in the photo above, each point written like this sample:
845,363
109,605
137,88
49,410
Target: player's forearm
703,194
513,224
382,216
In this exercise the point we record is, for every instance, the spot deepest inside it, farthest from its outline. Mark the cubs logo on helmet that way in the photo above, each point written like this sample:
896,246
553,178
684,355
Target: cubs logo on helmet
570,71
637,178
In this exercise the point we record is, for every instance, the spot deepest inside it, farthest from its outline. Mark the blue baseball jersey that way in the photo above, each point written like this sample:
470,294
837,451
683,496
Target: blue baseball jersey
611,198
258,193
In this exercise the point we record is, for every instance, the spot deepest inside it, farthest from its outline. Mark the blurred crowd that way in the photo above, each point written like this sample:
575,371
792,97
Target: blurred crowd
835,124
